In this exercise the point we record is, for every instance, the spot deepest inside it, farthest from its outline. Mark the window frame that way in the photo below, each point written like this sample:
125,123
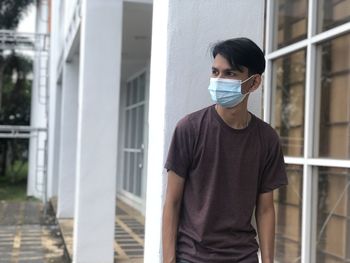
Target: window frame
309,163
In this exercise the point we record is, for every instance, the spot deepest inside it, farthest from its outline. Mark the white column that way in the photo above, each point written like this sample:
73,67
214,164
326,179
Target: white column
38,119
54,140
54,104
67,163
100,59
180,68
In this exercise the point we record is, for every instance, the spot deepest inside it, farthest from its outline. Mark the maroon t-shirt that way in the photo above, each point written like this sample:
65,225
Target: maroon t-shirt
225,170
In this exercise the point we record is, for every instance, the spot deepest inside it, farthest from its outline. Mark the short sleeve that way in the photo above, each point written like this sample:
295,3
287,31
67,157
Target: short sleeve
274,171
180,151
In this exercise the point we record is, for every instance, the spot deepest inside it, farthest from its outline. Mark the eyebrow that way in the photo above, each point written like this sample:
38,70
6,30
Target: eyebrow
225,70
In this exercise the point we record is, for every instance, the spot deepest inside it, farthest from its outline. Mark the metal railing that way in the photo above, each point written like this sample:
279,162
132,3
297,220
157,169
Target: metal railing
10,39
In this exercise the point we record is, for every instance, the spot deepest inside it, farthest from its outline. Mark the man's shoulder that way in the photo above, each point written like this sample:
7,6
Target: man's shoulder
267,131
195,117
199,114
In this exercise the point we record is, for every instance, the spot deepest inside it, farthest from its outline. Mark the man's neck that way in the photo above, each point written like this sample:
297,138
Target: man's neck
237,117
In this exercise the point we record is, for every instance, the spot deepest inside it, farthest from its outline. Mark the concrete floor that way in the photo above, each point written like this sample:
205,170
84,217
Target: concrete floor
26,236
129,234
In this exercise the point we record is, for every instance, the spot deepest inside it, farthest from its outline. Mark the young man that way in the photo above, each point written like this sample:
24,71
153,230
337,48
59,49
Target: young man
223,162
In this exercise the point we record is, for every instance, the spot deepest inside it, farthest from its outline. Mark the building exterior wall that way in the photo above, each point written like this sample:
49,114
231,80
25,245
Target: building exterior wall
68,139
306,99
86,91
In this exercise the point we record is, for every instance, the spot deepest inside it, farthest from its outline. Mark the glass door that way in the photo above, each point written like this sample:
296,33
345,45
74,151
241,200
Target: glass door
134,135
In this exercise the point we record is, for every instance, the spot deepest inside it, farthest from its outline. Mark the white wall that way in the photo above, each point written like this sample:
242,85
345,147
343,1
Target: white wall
180,68
69,8
193,27
54,141
68,139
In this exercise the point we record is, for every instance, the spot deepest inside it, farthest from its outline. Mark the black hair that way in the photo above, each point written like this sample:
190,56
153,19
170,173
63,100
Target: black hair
241,52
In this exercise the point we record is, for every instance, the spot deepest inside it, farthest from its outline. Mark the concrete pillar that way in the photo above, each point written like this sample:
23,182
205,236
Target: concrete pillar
54,140
67,163
36,169
180,70
54,103
98,100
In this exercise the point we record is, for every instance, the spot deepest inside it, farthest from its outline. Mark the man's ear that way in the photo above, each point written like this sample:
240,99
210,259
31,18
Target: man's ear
255,83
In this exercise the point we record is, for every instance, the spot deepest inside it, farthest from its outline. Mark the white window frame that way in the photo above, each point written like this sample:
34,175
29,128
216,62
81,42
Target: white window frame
310,178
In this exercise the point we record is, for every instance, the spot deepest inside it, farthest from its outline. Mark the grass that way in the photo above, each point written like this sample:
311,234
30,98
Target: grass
13,186
13,191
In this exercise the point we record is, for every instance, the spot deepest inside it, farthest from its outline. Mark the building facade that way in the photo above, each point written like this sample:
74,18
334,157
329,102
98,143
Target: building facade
122,73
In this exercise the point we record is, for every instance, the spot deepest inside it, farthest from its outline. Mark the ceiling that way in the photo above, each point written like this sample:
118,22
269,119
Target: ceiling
137,34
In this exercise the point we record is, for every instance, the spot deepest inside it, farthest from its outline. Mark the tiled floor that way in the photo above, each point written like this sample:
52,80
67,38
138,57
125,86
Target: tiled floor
129,234
26,236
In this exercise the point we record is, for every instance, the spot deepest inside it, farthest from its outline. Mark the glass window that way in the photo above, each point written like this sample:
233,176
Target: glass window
126,170
139,175
134,135
288,204
333,224
140,129
129,94
131,175
334,127
289,97
134,91
142,87
290,22
332,13
133,128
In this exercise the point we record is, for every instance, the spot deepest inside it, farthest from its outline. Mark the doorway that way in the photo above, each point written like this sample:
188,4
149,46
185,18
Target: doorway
134,142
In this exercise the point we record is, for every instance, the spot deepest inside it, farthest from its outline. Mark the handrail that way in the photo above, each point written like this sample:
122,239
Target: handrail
11,39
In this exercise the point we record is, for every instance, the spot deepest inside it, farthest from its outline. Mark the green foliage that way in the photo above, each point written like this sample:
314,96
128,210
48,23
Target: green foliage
16,91
15,103
18,170
14,189
15,106
11,12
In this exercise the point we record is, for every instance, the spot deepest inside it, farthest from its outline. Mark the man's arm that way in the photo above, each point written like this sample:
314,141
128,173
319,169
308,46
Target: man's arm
171,213
265,219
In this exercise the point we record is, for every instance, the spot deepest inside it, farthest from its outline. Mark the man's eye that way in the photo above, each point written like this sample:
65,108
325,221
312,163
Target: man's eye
231,74
214,72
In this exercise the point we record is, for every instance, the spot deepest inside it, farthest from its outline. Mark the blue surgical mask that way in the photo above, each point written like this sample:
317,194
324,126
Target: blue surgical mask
227,92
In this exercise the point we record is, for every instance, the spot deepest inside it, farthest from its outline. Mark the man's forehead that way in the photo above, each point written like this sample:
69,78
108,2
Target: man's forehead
220,62
220,66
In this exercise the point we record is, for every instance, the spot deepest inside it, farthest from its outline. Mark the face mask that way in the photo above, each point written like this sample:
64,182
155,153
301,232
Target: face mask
227,92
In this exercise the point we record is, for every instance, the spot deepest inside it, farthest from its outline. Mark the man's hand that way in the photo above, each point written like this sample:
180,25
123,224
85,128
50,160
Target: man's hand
171,213
265,219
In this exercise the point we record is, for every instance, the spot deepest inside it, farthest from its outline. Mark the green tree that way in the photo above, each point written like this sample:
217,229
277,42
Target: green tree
16,110
16,90
14,84
12,11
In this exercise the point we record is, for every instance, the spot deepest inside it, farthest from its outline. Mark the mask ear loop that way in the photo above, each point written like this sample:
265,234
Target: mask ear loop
244,82
247,79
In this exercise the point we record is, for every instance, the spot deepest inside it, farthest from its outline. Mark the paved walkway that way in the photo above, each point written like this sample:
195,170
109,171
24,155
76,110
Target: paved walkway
129,234
26,236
